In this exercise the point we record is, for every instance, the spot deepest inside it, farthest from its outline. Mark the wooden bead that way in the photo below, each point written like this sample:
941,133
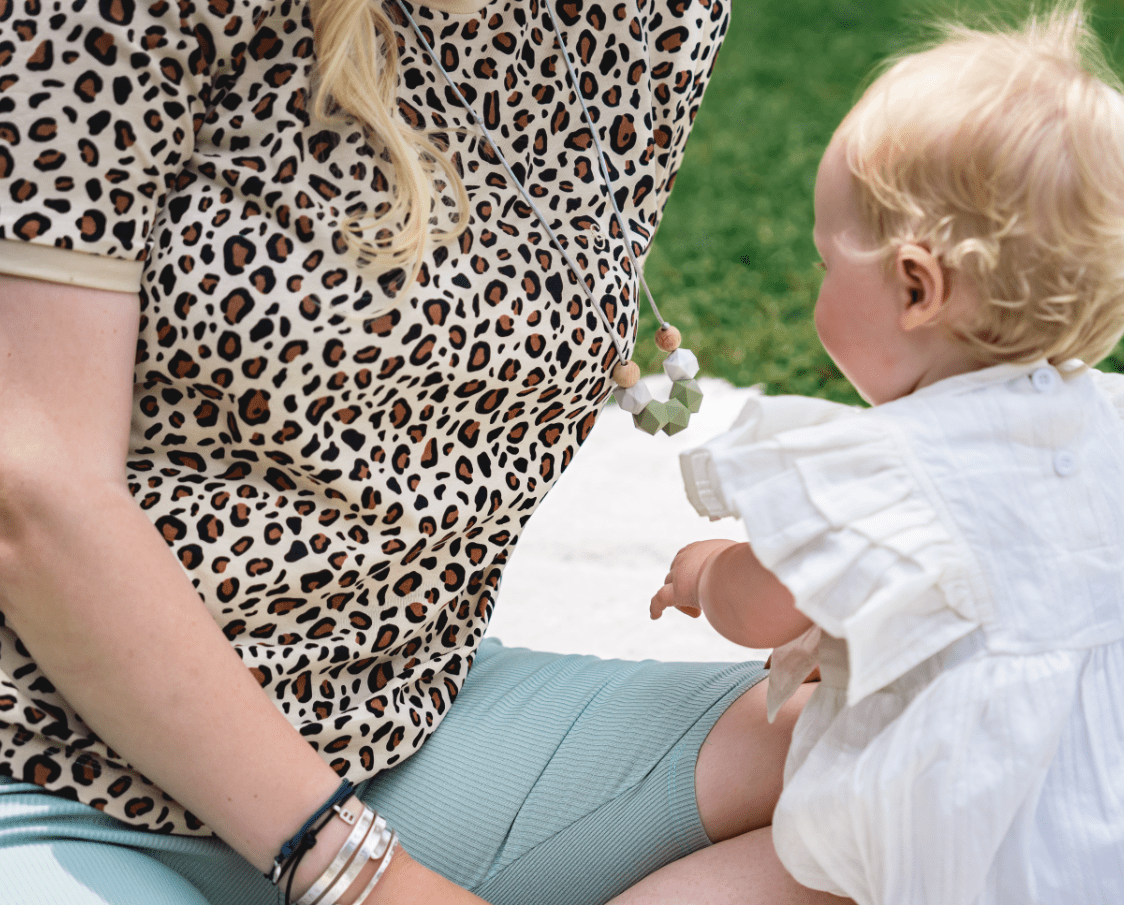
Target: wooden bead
668,338
626,374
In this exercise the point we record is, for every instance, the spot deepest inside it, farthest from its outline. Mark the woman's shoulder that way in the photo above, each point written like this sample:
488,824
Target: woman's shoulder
102,103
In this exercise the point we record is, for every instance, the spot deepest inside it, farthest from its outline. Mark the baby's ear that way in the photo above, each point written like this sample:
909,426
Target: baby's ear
921,286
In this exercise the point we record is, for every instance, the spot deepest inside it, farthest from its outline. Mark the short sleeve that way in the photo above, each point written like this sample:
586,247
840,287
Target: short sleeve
760,418
98,109
838,511
684,39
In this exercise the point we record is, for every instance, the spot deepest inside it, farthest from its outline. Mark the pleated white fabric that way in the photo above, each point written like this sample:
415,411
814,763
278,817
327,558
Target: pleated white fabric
961,551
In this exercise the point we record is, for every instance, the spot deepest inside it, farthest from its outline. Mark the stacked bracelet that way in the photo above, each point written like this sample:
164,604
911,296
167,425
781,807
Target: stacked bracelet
305,837
369,840
374,848
358,834
382,868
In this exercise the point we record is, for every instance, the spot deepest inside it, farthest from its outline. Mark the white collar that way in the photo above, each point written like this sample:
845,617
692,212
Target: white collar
1000,373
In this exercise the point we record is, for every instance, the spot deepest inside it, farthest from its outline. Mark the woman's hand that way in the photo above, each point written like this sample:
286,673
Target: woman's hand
681,586
408,883
405,882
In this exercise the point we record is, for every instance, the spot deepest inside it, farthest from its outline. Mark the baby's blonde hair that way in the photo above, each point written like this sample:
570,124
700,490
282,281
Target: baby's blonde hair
1003,152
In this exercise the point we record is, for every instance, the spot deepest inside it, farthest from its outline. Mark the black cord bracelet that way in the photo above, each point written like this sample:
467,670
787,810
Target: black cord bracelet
281,862
307,843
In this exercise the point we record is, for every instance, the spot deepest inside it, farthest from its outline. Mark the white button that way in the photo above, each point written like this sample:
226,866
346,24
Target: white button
1065,463
1044,379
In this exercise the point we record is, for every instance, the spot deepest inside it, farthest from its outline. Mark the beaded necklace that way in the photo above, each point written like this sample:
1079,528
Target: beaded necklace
680,365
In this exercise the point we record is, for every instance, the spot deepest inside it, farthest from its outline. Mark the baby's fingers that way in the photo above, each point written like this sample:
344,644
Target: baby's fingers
664,598
693,611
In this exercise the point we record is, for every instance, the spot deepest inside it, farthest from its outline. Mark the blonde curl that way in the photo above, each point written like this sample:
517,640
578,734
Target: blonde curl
1002,150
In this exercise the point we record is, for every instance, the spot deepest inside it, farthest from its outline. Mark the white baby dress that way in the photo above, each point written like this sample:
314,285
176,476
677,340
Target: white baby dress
961,551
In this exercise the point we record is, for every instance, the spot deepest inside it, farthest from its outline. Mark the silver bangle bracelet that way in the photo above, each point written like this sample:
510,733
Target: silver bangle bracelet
382,869
377,841
358,834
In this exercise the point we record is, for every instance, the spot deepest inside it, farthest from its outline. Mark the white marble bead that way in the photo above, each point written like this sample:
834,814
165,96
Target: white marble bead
634,398
681,365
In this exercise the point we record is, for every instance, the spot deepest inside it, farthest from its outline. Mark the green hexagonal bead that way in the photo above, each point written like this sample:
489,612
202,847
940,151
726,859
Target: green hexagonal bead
652,418
689,393
677,417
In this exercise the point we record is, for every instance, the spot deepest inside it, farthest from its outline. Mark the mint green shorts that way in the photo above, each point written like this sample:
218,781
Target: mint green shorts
554,780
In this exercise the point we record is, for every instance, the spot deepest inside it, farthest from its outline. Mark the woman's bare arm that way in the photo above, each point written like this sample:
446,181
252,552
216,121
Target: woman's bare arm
99,600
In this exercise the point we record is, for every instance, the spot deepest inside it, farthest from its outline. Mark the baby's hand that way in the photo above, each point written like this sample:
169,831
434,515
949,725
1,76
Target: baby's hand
681,587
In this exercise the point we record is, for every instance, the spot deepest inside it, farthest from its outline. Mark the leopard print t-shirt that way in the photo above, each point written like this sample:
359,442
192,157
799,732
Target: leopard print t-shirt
342,480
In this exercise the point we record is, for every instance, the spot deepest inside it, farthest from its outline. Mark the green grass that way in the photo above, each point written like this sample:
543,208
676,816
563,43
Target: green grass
733,262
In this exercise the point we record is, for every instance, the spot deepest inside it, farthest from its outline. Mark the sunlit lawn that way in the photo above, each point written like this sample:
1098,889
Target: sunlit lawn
733,259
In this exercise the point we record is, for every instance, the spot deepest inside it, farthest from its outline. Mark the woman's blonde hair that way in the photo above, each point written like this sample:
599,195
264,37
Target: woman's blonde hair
1003,152
357,75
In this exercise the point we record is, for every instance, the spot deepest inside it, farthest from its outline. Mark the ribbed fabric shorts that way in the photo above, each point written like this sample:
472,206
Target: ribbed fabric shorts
553,780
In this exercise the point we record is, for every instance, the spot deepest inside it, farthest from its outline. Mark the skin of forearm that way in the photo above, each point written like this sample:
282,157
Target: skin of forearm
104,607
747,603
106,611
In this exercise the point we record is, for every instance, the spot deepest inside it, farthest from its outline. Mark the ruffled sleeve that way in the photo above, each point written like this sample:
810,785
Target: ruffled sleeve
761,417
835,507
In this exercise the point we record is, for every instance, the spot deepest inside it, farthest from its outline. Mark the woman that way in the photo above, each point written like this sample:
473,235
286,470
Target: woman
352,367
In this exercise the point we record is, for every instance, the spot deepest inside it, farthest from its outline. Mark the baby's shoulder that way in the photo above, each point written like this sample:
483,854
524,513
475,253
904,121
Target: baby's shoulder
1035,405
1111,386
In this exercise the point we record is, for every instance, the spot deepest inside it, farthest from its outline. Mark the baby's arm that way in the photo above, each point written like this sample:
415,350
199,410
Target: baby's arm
743,600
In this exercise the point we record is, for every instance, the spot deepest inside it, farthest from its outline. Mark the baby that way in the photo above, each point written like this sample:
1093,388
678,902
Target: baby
951,559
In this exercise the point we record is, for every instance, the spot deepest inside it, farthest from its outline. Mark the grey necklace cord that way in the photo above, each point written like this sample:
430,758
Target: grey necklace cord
614,337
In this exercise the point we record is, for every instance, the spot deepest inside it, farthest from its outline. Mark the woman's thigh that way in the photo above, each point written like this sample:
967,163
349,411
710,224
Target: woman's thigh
59,852
561,779
555,779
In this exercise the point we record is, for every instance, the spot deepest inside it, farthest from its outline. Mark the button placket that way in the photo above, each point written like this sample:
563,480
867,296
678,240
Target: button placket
1065,463
1044,379
1047,380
